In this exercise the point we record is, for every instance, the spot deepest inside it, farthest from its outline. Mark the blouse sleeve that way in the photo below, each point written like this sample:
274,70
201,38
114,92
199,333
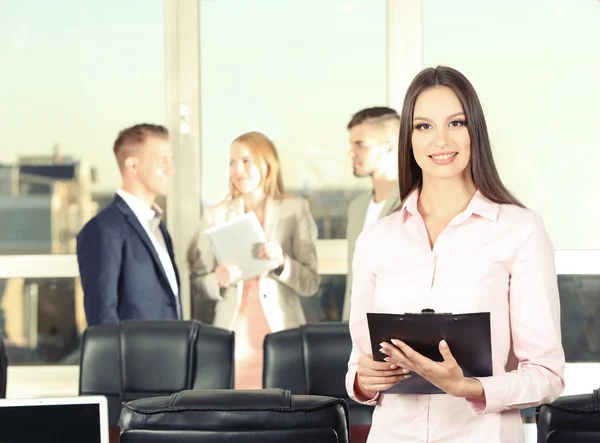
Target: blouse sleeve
535,327
362,301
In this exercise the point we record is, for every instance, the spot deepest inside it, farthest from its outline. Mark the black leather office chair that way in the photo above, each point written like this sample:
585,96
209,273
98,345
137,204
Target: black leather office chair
235,416
570,419
3,368
139,359
313,360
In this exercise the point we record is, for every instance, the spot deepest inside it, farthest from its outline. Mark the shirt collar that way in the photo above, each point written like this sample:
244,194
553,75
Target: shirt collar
141,209
409,207
483,207
479,205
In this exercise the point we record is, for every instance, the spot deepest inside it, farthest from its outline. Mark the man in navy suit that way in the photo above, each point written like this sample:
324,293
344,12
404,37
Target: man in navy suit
125,253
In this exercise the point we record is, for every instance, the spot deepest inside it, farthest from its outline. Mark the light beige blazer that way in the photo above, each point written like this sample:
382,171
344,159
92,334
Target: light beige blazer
287,221
357,211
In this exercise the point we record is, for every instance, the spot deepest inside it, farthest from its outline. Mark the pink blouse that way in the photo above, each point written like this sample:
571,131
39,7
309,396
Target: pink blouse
491,258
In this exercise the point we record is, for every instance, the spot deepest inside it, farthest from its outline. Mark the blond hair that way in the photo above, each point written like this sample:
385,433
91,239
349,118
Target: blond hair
265,155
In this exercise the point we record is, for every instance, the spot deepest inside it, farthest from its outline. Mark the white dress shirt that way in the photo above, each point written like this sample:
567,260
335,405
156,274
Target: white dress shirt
150,219
373,212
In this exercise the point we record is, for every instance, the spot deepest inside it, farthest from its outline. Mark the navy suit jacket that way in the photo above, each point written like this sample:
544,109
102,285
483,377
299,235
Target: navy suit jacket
121,274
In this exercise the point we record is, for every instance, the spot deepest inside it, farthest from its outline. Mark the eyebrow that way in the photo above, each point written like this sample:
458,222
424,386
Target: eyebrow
449,117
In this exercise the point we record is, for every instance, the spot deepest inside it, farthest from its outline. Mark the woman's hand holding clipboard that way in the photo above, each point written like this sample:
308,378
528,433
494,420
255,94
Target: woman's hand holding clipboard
419,344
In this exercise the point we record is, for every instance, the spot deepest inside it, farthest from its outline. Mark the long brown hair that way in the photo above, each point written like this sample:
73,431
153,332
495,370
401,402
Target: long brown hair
483,169
263,151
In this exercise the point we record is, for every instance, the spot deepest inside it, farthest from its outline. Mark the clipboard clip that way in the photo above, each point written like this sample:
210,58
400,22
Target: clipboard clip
428,311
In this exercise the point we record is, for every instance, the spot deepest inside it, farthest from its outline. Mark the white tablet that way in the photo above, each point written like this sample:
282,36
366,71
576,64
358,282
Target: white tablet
50,420
235,243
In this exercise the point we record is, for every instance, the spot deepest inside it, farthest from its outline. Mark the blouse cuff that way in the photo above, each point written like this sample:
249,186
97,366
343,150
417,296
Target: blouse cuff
350,379
495,390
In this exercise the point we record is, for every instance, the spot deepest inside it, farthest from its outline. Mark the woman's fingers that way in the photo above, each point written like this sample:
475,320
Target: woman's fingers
378,373
374,376
375,384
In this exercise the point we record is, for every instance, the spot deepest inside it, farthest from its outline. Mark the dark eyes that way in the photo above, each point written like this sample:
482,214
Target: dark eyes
452,124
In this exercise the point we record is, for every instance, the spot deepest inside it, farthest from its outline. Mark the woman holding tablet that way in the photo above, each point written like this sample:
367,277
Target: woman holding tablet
460,243
270,302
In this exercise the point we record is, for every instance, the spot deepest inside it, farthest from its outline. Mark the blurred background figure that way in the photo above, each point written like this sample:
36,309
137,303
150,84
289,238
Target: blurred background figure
374,153
270,302
125,253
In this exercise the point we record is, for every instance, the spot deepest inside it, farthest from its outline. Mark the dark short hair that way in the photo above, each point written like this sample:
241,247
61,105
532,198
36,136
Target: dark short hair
483,169
376,114
138,134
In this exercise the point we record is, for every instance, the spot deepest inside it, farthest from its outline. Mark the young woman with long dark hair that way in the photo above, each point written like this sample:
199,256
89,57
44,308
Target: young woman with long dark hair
460,243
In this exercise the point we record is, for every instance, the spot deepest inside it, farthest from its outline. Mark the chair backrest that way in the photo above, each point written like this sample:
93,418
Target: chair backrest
139,359
313,360
235,416
3,368
570,419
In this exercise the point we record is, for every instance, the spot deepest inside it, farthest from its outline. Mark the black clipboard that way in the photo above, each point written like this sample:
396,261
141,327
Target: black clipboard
467,335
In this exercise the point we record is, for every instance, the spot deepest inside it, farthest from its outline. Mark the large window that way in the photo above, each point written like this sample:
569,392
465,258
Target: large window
535,65
73,74
296,70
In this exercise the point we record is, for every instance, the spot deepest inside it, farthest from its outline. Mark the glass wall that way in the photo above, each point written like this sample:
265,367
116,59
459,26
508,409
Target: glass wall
74,74
535,66
296,70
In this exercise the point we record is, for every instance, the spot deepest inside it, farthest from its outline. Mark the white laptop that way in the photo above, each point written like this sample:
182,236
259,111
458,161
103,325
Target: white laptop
53,420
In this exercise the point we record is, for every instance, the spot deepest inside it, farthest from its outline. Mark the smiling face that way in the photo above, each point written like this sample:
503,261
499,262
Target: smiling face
244,170
149,166
440,139
156,166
